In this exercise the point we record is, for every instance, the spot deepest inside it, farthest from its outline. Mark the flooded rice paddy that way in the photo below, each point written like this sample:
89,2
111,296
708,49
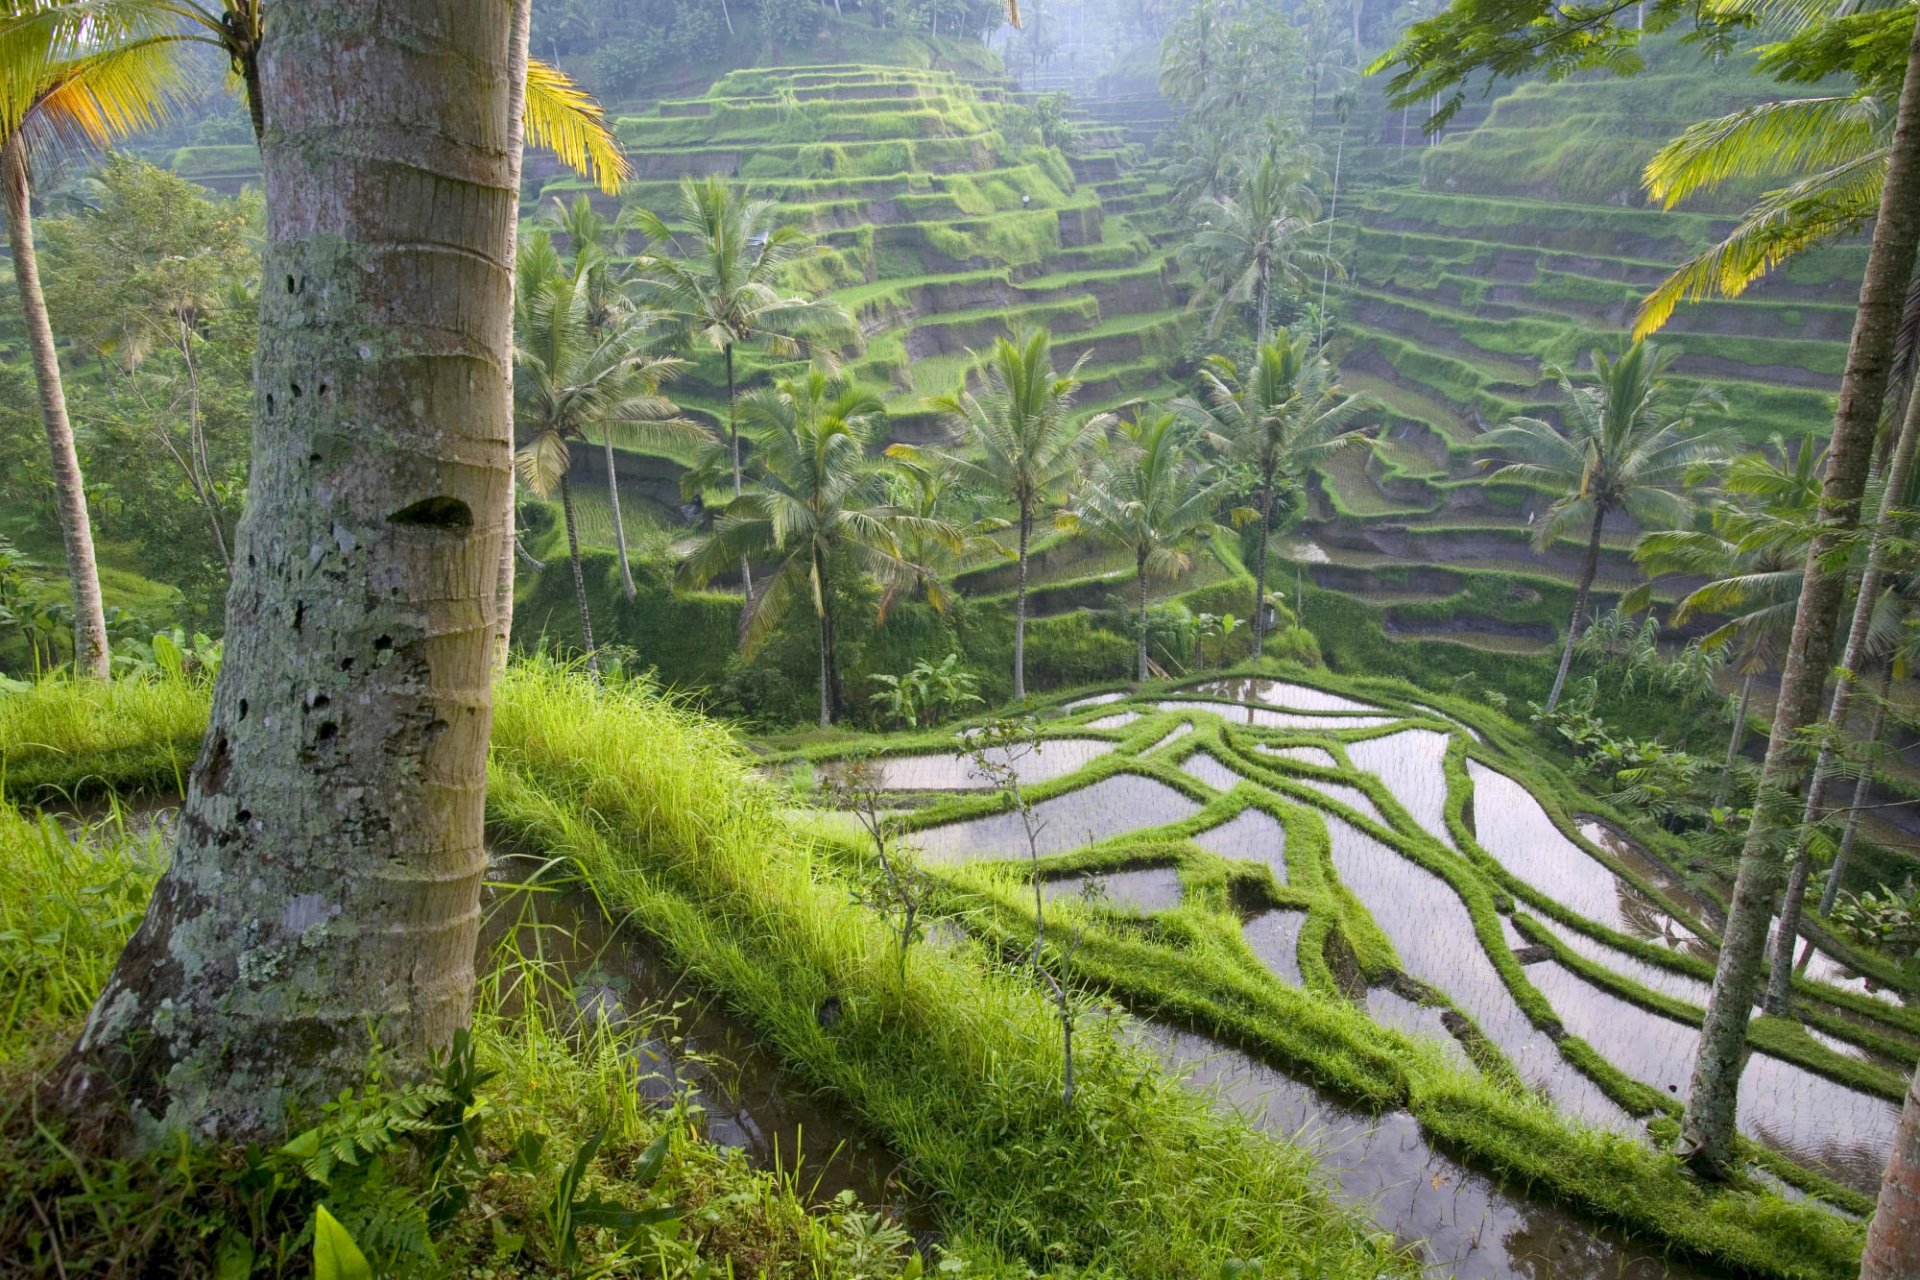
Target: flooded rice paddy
1451,986
1042,761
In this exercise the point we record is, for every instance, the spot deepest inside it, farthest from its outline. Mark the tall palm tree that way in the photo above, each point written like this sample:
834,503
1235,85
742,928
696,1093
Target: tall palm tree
930,487
1707,1127
1024,441
331,833
1752,558
576,380
723,286
1258,238
1624,446
58,91
1285,415
594,242
1150,492
818,500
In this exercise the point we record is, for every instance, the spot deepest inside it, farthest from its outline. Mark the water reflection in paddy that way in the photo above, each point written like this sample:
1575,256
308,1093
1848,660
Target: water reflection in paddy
1204,766
1280,694
1124,802
1808,1117
1275,938
1040,761
1462,1222
1097,700
1305,755
1511,826
1391,1009
1432,931
1252,835
1265,718
1115,721
1145,890
1412,765
1352,797
1652,976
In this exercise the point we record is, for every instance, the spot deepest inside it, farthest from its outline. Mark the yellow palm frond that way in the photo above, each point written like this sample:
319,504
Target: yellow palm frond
1781,225
1773,139
564,118
97,99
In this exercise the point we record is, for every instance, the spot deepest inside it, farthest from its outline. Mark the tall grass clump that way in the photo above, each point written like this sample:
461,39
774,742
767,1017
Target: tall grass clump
959,1067
79,737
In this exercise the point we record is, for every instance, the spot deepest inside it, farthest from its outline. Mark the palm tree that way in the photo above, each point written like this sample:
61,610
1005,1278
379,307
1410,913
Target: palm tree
1149,491
1624,447
723,287
1285,415
818,499
58,90
1248,243
929,486
1707,1127
1025,442
576,380
594,242
1191,51
1752,557
341,789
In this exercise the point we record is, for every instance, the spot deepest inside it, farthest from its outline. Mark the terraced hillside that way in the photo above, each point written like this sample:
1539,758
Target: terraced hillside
1517,243
939,225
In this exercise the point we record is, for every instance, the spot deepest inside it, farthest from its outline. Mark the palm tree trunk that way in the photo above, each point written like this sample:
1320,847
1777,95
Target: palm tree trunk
1840,858
76,530
324,891
1707,1127
502,604
1263,302
579,576
1020,608
619,526
1260,566
1141,569
826,647
1734,739
1333,206
1588,568
1779,999
733,437
1893,1239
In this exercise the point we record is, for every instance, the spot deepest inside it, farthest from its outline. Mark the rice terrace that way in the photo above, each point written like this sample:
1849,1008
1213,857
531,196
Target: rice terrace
879,639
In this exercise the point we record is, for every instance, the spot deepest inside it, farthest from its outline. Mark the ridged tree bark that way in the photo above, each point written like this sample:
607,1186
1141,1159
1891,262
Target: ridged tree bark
1589,568
1020,604
1779,998
324,891
579,578
1706,1137
70,495
516,146
1893,1240
1260,566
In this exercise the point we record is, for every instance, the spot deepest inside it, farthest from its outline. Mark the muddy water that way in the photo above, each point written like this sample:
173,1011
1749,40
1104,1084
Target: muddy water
1265,718
1209,770
1252,835
1511,826
1803,1115
1305,755
1275,939
1044,760
1352,797
1631,855
1463,1223
1144,891
1432,932
1412,765
1279,693
1110,807
750,1102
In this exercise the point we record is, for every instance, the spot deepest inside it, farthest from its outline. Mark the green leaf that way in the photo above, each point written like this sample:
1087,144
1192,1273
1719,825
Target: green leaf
304,1147
335,1255
234,1259
648,1166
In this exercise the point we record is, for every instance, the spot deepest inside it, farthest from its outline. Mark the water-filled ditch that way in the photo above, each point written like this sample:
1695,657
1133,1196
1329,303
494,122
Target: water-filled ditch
1267,718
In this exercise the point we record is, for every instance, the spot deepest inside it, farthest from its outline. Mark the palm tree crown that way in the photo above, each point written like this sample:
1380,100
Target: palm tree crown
1250,242
1150,492
1024,442
1624,446
1284,415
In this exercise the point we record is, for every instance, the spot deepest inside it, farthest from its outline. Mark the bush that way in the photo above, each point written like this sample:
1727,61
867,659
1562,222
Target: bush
1070,650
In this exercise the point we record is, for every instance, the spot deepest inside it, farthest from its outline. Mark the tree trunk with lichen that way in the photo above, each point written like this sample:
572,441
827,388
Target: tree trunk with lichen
324,891
1893,1241
1707,1128
90,657
516,137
